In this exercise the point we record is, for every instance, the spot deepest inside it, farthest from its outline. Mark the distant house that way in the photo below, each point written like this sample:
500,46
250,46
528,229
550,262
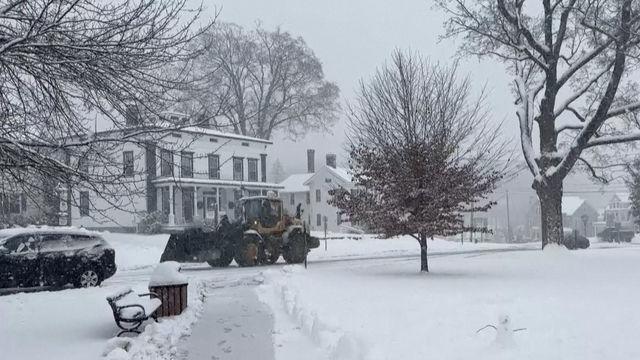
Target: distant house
619,211
573,210
311,190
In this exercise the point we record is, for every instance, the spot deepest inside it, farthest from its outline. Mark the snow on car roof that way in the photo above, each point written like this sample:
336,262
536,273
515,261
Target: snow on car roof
5,233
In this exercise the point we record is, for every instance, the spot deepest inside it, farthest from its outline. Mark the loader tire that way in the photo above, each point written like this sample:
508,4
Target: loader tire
273,257
223,261
296,252
247,252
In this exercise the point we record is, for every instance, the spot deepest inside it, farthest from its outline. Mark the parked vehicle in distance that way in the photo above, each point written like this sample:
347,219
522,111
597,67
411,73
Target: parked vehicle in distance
612,234
49,256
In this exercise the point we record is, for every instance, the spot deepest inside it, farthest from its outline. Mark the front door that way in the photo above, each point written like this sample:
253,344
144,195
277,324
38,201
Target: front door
211,206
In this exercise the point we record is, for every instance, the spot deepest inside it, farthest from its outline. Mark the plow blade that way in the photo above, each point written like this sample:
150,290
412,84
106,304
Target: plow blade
191,245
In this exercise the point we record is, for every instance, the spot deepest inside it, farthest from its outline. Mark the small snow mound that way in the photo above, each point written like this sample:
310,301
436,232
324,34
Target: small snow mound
556,250
294,269
117,343
168,273
118,354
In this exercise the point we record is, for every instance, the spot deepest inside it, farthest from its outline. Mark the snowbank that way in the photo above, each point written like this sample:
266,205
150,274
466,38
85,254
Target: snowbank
159,340
327,334
540,305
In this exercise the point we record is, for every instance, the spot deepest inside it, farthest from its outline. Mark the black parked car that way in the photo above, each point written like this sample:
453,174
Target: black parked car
32,257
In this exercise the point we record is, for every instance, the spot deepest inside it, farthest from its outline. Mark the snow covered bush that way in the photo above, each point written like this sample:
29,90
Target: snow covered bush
151,223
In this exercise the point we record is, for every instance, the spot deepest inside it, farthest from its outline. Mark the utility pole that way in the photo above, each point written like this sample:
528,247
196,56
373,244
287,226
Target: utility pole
508,220
471,232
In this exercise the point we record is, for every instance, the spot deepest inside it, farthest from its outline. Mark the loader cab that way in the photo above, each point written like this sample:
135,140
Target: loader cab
263,210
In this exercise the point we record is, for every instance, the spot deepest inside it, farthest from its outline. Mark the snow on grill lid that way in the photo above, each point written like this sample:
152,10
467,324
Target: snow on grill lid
167,273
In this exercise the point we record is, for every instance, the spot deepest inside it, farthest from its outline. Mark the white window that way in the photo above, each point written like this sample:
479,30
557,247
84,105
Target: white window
318,195
319,219
293,199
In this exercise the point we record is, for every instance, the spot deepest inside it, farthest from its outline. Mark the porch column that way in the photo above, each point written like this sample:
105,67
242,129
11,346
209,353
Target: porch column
216,216
172,217
195,203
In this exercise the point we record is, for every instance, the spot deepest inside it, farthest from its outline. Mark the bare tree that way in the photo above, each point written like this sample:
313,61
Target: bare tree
423,152
412,101
277,172
64,66
266,81
572,60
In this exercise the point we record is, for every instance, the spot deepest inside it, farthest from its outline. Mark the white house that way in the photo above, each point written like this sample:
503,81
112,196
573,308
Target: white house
619,211
194,174
311,190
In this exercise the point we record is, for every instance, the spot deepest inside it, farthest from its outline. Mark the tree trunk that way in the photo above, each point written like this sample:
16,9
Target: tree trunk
550,195
424,264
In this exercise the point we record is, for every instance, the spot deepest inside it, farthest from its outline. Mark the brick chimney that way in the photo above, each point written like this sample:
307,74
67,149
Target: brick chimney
311,161
331,160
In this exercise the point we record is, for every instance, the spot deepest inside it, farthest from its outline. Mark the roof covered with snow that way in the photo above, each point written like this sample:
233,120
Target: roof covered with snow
570,204
295,183
624,197
342,172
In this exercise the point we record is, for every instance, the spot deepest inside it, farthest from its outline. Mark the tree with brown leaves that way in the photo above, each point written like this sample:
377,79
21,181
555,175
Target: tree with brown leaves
422,153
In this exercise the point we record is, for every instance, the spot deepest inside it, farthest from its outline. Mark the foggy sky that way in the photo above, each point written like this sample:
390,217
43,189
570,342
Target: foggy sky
352,38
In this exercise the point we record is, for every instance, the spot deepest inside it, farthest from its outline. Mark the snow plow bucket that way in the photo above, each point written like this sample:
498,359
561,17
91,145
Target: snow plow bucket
313,242
190,245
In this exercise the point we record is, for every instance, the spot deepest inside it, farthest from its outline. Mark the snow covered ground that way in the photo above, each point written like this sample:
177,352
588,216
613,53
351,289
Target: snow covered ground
135,252
462,294
574,305
76,324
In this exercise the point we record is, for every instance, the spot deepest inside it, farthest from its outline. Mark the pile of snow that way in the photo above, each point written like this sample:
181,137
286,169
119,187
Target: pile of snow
160,340
326,334
168,273
551,304
134,251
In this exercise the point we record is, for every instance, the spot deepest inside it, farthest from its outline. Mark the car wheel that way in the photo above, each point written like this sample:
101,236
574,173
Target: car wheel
88,278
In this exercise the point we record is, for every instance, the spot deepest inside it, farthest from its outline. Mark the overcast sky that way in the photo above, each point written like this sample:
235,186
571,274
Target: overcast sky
352,38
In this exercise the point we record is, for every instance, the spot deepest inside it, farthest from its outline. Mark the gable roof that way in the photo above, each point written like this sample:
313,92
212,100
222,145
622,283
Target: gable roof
296,183
623,197
340,173
570,204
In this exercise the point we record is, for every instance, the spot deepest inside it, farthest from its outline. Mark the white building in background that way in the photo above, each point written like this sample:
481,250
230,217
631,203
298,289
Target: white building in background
311,191
619,211
192,175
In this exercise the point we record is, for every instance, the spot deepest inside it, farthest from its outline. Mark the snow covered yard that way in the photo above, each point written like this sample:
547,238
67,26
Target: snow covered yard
77,324
369,246
574,305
